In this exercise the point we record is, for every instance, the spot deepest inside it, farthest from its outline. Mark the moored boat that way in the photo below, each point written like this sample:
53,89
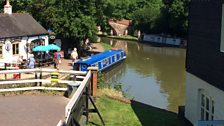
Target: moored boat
101,60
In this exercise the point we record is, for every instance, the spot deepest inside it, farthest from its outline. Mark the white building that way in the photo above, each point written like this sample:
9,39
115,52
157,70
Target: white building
205,63
19,33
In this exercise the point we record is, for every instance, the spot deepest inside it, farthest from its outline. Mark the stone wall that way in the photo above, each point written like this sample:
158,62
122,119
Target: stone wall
118,29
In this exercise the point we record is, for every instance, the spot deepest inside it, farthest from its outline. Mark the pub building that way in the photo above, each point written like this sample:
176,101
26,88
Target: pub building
19,33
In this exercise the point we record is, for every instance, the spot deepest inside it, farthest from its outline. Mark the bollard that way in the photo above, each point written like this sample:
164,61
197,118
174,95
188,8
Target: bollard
54,77
94,80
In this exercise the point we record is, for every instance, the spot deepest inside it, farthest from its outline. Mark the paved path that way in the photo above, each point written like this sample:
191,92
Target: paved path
32,110
36,110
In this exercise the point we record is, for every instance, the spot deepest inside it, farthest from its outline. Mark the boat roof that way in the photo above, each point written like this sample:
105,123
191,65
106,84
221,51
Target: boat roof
98,57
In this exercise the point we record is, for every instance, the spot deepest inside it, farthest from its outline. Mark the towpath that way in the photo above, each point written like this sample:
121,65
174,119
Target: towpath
36,110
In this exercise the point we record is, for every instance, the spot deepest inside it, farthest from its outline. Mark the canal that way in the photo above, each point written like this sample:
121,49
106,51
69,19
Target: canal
150,75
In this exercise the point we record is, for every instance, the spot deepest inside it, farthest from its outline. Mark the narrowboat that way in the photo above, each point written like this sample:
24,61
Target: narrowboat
102,60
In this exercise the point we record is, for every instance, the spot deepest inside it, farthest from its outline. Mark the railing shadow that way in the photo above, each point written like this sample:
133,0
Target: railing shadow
152,116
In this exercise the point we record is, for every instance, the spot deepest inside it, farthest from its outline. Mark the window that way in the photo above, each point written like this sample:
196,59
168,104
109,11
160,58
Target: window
206,107
1,51
222,31
15,48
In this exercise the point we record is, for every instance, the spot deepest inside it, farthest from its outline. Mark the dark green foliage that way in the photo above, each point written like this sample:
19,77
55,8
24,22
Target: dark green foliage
77,19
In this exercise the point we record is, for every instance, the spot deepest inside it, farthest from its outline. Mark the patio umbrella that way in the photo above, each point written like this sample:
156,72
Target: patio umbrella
53,47
40,48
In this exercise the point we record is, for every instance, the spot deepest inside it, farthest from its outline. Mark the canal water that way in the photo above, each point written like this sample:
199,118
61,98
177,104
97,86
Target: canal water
150,75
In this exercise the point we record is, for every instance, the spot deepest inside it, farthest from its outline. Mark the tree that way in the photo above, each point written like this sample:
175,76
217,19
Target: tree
145,18
176,13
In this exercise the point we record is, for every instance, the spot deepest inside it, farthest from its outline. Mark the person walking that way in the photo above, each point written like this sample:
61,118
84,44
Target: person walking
57,59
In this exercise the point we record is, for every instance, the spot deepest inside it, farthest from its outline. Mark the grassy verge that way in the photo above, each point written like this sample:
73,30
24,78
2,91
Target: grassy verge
114,113
126,37
106,46
32,92
117,113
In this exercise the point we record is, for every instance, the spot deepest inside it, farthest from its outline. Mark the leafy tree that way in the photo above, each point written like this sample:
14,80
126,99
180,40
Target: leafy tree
79,18
175,12
145,19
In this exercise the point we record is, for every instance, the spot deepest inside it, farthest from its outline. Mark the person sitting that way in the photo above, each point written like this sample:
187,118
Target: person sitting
31,62
88,45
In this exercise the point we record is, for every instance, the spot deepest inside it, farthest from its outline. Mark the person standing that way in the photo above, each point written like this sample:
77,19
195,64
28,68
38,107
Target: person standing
57,59
74,55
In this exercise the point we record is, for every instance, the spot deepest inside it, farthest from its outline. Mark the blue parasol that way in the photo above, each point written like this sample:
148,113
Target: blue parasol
53,47
40,48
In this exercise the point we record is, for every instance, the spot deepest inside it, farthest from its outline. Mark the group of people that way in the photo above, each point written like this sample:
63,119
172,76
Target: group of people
30,63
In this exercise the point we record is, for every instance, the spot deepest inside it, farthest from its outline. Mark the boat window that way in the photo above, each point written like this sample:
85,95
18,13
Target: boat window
105,62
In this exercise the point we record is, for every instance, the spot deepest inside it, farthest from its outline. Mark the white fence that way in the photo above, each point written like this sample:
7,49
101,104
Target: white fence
75,98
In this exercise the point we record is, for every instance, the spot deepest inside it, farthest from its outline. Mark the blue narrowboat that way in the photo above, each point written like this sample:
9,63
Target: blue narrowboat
102,60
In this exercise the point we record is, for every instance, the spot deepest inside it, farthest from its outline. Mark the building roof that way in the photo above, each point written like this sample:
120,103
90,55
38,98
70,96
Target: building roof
18,25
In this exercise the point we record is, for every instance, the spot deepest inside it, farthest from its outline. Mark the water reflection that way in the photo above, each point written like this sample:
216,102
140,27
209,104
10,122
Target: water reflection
152,75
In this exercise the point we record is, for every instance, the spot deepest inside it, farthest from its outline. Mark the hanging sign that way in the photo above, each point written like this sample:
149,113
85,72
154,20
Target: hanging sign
8,45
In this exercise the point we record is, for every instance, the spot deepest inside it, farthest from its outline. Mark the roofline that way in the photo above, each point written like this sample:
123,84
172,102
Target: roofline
24,36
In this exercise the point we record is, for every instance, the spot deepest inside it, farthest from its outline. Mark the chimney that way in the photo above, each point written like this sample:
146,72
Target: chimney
7,8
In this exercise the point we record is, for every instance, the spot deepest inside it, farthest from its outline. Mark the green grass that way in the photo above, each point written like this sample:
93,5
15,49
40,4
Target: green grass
106,46
116,113
126,37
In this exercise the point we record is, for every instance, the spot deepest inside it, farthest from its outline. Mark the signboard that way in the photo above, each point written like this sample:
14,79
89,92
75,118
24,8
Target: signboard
8,45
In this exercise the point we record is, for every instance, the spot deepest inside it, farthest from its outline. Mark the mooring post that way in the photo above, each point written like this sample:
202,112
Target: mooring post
36,84
40,77
94,72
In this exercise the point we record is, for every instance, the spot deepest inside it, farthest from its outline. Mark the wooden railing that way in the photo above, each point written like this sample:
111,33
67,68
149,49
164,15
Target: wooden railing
84,88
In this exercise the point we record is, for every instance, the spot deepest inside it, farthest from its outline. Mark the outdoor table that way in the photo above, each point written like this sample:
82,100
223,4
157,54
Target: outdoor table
8,62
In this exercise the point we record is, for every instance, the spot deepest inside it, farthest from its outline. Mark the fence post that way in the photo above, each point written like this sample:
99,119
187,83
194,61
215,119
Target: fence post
94,72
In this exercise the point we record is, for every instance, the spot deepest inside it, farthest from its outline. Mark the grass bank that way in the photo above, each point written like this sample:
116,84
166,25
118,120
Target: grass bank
117,113
106,46
125,37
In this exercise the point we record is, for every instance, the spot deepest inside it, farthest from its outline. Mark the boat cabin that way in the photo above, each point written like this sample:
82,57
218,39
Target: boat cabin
102,60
